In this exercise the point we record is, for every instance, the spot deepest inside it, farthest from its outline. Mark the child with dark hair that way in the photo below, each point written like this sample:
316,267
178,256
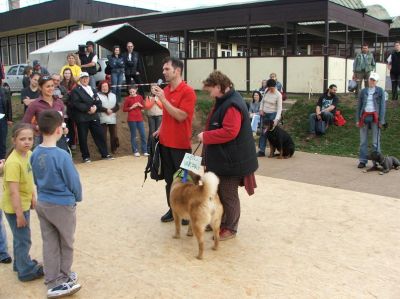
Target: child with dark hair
59,189
254,110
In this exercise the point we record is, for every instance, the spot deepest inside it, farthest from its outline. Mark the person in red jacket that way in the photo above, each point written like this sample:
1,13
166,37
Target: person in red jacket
133,105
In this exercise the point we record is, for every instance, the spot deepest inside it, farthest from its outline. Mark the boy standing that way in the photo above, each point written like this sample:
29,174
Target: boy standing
59,189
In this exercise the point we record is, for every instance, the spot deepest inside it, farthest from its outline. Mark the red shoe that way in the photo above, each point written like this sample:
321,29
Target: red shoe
226,234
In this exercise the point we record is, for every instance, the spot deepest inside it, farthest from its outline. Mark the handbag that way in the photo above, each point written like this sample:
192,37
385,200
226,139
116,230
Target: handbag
339,119
352,86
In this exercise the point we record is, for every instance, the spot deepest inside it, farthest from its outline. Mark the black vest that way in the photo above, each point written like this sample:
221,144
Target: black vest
395,63
237,157
85,60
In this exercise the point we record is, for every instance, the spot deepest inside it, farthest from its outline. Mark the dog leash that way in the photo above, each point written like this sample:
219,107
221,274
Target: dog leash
185,171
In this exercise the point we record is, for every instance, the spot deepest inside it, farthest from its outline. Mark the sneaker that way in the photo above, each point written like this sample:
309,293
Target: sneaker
260,154
73,277
6,260
64,289
167,217
87,160
226,234
146,154
361,165
137,154
108,157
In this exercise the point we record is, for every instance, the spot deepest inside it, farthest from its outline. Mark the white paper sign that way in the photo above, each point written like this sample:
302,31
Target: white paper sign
2,115
192,163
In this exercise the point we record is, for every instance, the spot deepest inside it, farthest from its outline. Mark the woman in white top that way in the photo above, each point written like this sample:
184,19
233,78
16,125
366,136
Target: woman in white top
108,119
270,109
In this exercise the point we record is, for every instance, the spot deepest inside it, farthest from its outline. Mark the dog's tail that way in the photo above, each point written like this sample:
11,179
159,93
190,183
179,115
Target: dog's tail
210,184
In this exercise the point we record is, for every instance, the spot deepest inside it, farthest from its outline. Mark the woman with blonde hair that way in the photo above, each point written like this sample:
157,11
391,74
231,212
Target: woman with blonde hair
229,149
73,65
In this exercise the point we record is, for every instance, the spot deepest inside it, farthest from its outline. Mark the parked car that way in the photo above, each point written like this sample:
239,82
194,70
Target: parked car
14,76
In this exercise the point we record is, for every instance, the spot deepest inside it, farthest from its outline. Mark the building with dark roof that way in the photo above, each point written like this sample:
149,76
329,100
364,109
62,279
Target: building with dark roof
26,29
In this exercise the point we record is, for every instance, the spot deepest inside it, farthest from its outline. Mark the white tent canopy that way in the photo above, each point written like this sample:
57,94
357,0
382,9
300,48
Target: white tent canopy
54,56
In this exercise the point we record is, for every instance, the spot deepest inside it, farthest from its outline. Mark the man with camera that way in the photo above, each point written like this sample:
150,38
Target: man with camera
88,61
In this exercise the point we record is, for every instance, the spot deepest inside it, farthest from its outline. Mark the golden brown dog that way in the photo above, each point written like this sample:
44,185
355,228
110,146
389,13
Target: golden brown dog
200,204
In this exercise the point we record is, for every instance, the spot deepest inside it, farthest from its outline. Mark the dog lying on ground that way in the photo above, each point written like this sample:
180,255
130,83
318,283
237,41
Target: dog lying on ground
280,140
386,163
200,204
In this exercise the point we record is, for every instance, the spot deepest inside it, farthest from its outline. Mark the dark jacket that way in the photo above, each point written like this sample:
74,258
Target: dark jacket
81,102
85,60
5,102
133,65
237,157
395,63
116,64
379,103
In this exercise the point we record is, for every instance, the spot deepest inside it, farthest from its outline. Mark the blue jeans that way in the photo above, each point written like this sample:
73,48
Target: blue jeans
116,82
255,122
139,125
3,137
263,138
154,124
3,239
23,264
92,82
376,141
326,116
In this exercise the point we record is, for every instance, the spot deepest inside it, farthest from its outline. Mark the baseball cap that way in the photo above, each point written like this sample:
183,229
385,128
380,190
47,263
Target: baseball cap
83,74
374,76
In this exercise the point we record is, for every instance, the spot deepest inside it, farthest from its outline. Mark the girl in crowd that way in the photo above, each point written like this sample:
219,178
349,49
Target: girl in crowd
73,64
154,115
133,105
270,109
263,86
44,102
117,65
108,119
68,81
254,110
26,80
229,149
18,199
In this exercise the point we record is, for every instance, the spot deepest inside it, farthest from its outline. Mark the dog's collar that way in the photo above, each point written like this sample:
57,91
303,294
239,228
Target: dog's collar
180,174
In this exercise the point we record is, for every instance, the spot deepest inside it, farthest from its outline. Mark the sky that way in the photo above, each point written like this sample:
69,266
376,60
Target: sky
167,5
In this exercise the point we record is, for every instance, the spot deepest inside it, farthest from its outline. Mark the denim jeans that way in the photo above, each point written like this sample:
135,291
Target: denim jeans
92,82
263,138
255,122
326,116
3,137
23,264
139,125
3,239
376,141
154,124
116,82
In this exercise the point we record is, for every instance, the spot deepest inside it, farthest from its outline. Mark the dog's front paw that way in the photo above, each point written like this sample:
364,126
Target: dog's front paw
176,236
215,247
189,234
199,257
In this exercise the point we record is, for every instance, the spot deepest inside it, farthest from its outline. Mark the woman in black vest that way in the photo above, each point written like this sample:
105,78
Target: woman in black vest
229,149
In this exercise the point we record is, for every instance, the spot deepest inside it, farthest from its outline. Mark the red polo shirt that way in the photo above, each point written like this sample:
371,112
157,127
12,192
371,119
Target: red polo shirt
173,133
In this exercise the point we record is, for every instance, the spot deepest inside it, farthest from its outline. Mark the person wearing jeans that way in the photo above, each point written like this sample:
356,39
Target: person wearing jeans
371,111
4,256
154,116
133,105
117,65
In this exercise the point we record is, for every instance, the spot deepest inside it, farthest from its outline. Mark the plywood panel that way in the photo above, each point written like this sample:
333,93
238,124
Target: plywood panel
305,74
261,67
235,69
336,74
198,70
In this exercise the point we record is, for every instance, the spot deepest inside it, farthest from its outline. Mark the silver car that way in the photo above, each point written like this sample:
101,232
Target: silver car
14,76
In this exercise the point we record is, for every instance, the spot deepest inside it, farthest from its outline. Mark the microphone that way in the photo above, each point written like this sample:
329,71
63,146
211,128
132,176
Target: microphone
159,82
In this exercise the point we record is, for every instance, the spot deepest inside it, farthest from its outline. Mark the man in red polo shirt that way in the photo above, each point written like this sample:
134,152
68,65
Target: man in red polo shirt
175,132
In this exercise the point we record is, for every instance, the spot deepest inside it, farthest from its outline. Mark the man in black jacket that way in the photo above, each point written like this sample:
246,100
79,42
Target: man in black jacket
5,119
133,65
394,68
85,104
88,62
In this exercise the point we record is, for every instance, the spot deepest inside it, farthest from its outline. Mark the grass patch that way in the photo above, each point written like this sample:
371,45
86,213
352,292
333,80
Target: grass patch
340,141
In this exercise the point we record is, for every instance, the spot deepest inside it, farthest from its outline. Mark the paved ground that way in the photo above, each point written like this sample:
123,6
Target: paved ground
295,240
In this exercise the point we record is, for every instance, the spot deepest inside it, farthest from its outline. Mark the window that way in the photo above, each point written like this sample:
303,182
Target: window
40,39
13,50
212,50
13,70
21,49
73,28
61,32
195,51
21,70
226,50
4,51
31,42
51,36
204,49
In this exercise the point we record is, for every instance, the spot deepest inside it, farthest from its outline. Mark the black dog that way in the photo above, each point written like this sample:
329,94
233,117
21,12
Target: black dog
279,140
387,163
